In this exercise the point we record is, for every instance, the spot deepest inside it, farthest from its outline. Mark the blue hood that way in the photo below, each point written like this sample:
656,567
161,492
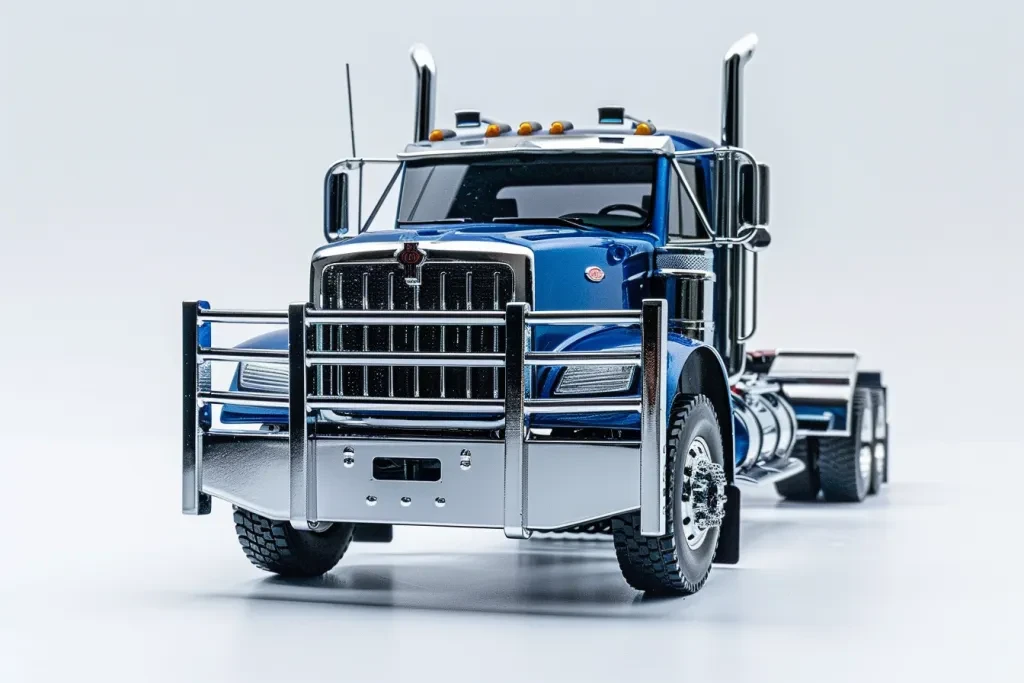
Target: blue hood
562,254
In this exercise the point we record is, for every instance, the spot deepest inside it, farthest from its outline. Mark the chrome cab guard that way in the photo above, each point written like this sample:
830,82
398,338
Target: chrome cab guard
516,483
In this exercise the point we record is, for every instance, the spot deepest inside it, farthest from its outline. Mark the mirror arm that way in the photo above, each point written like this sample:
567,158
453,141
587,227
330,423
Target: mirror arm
380,202
693,198
742,240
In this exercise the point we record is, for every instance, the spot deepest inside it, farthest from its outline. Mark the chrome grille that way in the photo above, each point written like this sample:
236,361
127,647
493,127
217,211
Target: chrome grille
444,286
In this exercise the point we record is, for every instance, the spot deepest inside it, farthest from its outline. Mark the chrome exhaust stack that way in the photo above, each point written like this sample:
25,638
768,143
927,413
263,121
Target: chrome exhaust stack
732,89
731,294
426,85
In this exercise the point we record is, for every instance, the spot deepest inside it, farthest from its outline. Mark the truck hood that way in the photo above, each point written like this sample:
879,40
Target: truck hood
562,256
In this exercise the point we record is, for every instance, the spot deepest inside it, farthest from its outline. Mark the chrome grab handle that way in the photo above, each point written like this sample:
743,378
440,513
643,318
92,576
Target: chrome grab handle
744,336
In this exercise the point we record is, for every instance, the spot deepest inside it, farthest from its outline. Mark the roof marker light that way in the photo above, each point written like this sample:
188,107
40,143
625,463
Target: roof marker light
559,127
645,128
496,129
439,134
528,127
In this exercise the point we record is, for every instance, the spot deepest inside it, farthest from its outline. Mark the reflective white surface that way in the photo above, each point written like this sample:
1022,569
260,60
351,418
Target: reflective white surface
919,584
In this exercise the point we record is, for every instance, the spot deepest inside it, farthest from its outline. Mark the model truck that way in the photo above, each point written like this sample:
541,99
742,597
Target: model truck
550,337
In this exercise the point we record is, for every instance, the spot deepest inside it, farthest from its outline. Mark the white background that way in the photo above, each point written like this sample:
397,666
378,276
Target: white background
159,151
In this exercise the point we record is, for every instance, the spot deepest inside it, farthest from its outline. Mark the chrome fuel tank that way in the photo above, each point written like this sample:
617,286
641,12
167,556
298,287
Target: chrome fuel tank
766,423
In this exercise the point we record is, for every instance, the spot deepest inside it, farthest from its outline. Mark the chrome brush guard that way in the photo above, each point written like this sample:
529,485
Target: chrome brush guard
515,483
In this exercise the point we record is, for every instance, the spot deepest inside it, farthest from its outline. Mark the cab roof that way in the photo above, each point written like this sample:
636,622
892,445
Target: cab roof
610,139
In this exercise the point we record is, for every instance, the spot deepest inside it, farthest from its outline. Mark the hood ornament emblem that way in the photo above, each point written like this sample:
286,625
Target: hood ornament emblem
594,273
411,258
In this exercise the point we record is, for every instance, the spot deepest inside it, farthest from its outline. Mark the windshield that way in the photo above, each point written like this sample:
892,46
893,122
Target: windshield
609,191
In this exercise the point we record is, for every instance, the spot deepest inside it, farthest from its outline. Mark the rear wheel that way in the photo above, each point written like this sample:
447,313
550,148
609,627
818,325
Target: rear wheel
803,485
679,562
845,464
278,547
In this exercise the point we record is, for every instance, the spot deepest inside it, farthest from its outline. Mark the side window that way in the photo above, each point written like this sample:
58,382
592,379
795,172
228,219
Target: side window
683,222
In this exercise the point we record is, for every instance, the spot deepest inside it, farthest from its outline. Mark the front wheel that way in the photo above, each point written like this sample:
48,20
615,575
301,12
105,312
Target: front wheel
679,562
278,547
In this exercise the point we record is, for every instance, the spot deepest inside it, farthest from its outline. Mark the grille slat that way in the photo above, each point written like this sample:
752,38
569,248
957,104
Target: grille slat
444,285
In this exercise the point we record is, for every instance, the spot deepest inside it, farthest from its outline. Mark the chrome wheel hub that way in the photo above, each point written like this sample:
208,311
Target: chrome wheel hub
703,493
867,433
880,441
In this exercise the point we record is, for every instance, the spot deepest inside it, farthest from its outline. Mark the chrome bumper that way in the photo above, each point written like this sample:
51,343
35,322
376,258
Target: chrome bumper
516,484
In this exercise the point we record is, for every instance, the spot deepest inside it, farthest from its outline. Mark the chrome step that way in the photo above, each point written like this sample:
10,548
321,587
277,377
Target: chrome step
770,471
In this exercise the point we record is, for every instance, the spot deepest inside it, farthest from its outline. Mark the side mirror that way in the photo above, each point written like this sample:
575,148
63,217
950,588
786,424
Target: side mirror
755,237
753,208
335,205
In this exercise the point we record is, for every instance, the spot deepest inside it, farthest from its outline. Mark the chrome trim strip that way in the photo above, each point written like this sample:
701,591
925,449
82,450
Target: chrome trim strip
301,447
366,332
684,272
469,333
583,358
399,405
416,345
391,335
653,418
243,355
516,515
452,318
581,406
193,500
494,331
406,359
626,317
243,398
251,317
444,307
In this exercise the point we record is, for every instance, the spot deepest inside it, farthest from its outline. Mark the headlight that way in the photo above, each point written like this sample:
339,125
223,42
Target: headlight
271,378
595,379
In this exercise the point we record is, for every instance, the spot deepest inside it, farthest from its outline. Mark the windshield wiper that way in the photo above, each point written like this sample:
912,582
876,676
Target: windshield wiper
555,220
436,220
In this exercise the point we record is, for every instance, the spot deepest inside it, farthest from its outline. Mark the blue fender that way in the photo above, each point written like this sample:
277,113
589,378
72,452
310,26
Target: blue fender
693,368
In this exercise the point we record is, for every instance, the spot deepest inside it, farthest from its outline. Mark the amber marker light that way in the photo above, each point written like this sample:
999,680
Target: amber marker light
644,129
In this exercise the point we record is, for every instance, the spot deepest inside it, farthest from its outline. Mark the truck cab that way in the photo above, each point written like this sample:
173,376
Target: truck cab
550,305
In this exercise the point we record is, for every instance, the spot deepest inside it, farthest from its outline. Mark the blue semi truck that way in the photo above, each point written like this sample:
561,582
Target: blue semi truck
549,336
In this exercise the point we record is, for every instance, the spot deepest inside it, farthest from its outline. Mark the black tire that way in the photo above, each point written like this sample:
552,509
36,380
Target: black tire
803,485
280,548
843,479
666,565
880,453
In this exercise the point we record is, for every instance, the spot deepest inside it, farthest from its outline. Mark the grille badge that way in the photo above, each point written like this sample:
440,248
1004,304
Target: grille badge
412,258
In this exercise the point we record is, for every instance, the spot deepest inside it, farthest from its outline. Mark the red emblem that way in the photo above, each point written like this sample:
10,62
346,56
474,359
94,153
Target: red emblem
594,274
411,257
